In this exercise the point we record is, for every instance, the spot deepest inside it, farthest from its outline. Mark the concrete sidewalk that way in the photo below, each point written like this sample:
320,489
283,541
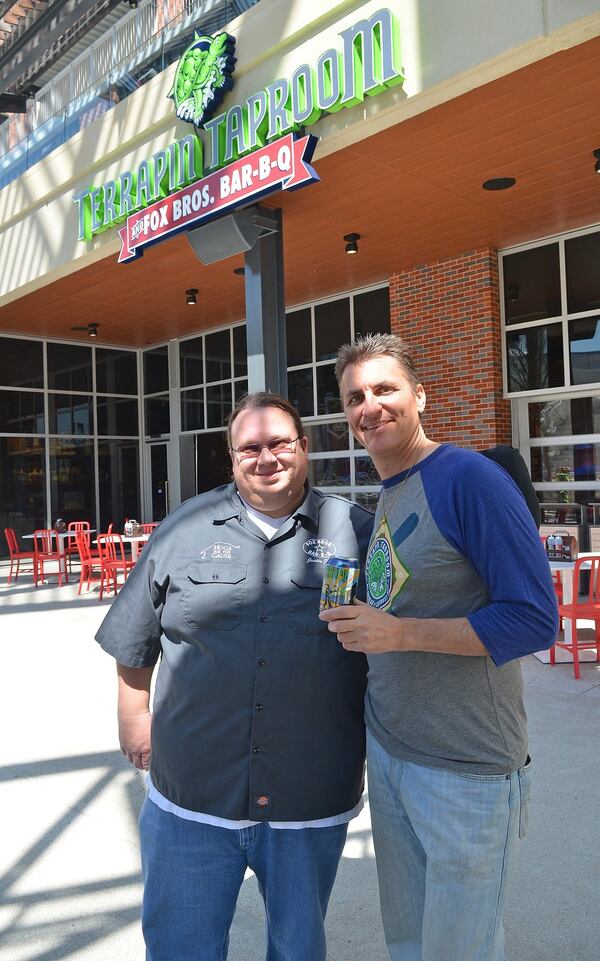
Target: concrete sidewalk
69,801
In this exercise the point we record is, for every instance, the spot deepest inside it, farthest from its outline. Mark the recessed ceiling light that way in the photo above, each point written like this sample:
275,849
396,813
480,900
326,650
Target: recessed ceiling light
499,183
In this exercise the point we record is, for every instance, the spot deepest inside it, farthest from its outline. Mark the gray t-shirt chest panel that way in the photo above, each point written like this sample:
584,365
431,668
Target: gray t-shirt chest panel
444,710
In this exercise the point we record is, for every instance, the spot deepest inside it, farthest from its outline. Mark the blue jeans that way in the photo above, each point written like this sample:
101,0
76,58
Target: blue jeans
445,844
193,873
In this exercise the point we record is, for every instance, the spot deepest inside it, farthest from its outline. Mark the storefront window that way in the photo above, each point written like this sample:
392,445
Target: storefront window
559,417
240,351
21,412
158,418
69,367
191,370
192,409
117,416
582,261
218,356
328,437
532,284
116,371
70,414
72,480
300,391
332,328
584,350
298,337
332,472
328,394
21,363
156,370
535,358
372,312
118,481
568,462
22,486
218,404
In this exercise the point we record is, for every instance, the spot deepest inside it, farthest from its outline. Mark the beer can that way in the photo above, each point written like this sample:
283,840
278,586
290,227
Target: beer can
339,582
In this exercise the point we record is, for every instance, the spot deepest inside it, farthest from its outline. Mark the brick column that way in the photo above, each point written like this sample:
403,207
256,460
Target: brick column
449,312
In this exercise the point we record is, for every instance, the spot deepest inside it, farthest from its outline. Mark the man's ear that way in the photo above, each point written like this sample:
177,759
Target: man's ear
421,398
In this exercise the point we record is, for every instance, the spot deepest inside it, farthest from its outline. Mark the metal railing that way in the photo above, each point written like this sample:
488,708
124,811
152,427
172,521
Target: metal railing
131,52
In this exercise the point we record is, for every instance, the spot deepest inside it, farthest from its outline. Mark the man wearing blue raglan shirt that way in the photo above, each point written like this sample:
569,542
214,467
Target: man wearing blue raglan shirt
458,589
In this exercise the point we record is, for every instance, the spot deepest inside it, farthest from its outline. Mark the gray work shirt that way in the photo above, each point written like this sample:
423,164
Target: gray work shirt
258,710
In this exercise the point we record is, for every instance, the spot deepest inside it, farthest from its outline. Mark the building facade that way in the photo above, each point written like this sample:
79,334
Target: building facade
455,141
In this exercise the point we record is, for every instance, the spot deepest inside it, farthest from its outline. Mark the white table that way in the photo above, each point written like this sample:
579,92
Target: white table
61,534
566,569
136,543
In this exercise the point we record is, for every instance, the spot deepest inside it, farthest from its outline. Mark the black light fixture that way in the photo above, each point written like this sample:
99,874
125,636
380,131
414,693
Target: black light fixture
90,329
597,164
499,183
351,243
190,296
240,271
132,4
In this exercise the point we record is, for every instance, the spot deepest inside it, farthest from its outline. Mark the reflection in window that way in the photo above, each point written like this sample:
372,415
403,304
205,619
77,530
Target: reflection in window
21,363
532,284
560,417
324,437
69,367
218,356
241,389
192,409
365,471
328,394
535,358
213,466
116,371
22,486
332,328
117,416
584,350
298,338
156,370
70,414
21,412
333,472
72,482
118,481
158,419
567,462
218,404
300,391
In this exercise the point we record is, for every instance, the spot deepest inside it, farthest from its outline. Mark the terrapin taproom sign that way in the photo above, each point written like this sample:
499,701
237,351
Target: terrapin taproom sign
250,150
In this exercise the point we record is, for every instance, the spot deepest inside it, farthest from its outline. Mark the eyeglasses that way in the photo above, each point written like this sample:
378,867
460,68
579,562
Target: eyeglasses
281,445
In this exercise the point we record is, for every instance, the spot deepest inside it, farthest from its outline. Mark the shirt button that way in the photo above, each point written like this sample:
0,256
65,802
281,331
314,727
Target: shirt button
259,707
265,580
215,577
256,750
262,662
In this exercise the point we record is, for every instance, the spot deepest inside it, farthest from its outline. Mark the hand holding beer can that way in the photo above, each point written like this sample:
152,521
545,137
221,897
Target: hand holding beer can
339,582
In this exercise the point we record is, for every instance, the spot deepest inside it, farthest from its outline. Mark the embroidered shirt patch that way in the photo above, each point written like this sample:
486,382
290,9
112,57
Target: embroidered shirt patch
219,551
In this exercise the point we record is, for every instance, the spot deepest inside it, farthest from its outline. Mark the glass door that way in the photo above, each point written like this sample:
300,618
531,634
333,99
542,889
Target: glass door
157,496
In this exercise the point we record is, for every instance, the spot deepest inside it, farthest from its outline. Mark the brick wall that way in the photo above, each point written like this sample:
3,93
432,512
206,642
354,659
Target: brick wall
449,312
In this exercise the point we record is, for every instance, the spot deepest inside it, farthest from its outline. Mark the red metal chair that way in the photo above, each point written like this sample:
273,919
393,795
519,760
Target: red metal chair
113,561
48,549
90,562
71,545
148,528
587,608
16,555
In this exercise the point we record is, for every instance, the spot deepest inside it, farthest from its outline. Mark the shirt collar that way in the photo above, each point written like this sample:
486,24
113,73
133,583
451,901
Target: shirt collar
232,506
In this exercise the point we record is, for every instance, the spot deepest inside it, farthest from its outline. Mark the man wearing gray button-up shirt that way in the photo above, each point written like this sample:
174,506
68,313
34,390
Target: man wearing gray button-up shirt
255,745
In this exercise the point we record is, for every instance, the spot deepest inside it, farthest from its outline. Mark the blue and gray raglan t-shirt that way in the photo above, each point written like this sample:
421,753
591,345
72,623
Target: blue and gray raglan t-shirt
457,539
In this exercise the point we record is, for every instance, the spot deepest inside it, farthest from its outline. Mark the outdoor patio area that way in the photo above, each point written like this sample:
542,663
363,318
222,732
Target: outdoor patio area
69,863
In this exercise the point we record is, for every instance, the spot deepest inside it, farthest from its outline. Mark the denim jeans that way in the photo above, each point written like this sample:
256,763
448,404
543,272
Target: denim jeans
445,844
193,873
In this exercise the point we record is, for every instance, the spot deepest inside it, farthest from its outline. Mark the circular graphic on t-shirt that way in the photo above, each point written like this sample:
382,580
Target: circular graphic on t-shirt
379,573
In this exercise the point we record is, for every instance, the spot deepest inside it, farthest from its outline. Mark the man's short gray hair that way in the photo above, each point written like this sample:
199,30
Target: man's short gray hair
377,345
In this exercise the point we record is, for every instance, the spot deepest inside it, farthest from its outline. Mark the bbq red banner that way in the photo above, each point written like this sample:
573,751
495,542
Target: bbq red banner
281,165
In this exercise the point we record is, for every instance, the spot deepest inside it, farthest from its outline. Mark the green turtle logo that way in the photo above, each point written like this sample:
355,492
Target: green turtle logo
378,572
203,76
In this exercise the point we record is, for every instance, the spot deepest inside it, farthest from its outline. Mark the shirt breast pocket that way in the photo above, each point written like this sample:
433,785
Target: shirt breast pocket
213,594
304,600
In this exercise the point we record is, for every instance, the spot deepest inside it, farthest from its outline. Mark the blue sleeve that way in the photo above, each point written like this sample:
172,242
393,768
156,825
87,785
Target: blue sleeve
481,512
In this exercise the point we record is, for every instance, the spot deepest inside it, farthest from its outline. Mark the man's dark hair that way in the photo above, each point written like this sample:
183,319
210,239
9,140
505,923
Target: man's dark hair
377,345
260,400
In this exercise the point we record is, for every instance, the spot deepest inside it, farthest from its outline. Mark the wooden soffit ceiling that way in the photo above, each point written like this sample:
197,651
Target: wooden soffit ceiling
413,192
